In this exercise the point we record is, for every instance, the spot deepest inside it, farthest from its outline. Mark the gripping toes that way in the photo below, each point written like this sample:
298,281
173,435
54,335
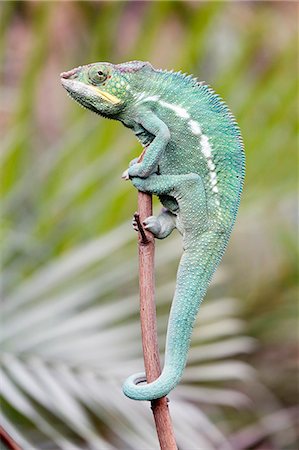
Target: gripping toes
134,161
153,225
125,174
134,224
132,171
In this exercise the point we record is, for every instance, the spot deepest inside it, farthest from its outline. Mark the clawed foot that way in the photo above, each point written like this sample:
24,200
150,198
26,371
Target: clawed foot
134,223
125,174
151,224
134,161
132,171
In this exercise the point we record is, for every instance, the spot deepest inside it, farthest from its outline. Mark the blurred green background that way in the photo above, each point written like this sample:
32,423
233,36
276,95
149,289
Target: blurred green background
70,325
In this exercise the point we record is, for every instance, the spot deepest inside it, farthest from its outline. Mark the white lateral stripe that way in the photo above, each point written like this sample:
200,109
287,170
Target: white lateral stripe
140,96
179,110
211,165
205,146
195,128
153,98
213,178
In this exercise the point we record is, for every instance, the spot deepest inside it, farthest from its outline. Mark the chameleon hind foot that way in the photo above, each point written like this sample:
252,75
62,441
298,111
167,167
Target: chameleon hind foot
134,223
153,225
162,225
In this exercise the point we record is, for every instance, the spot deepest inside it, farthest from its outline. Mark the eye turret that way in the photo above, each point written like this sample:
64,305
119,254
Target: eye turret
98,75
101,75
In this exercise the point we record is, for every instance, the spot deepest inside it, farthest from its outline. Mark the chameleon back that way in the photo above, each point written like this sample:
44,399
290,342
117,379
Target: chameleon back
205,138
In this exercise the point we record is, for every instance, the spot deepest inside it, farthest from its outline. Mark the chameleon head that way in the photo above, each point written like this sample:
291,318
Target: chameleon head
100,87
106,88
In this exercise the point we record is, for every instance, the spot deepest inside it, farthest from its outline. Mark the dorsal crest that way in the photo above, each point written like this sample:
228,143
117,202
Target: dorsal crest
134,66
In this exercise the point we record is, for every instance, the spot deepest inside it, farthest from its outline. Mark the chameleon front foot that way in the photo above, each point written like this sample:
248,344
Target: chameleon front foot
125,175
134,161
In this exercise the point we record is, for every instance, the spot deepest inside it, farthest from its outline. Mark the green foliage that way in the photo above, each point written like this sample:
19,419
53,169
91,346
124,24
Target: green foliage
69,269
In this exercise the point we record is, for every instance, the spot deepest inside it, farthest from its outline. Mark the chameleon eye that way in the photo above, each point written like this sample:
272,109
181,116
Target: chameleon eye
97,75
101,75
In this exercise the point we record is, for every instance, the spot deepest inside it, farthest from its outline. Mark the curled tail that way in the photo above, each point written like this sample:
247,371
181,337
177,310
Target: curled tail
198,263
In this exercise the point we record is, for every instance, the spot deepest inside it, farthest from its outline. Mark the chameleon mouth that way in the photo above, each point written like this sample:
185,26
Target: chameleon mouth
78,89
106,96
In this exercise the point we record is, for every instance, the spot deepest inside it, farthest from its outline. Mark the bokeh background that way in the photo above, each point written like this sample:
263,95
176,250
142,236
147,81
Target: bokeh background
70,324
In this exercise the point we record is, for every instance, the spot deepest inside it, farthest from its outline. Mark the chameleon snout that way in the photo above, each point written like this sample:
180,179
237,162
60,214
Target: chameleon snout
70,73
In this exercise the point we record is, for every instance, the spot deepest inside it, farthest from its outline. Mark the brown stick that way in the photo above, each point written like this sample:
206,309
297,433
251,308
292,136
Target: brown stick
6,439
146,247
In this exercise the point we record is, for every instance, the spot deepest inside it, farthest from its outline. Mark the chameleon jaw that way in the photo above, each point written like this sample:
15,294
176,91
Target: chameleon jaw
75,87
106,96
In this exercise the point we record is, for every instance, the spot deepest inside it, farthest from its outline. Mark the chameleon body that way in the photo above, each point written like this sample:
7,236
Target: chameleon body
194,162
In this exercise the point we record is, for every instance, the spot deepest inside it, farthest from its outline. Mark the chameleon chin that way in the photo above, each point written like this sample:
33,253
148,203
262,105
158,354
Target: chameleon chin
194,163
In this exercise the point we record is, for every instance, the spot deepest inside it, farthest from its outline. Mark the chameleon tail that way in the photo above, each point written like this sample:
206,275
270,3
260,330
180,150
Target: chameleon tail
198,263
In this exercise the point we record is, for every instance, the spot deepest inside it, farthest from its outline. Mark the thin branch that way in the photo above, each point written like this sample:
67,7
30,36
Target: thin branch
7,440
146,247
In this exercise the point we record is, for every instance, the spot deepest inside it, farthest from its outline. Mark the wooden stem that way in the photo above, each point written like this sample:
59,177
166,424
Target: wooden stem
7,440
146,247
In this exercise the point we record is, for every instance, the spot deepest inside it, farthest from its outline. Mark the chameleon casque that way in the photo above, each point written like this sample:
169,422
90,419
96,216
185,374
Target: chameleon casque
194,162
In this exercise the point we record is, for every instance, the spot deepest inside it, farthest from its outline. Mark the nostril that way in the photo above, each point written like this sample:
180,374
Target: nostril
70,73
65,75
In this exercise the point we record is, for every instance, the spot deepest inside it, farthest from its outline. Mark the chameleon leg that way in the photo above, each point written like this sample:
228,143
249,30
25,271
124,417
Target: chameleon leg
188,190
164,184
157,128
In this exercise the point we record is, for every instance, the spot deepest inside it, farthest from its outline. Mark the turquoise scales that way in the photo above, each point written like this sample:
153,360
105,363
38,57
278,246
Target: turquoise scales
194,162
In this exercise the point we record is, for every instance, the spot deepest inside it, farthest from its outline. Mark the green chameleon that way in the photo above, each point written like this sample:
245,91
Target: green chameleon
194,162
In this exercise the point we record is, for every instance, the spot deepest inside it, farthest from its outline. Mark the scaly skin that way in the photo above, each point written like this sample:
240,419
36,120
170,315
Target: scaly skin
194,162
